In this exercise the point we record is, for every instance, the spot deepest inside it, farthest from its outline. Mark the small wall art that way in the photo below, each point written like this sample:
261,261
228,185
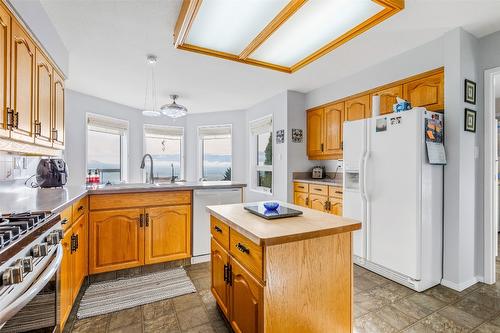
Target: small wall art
280,136
297,135
470,92
470,120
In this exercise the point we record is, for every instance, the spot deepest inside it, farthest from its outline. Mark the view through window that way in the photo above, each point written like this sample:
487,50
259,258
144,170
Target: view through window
262,154
216,152
164,143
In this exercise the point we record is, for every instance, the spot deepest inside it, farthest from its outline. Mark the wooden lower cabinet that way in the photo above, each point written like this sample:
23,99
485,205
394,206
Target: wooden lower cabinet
246,295
116,240
335,206
319,197
80,254
168,233
220,264
66,279
301,199
318,202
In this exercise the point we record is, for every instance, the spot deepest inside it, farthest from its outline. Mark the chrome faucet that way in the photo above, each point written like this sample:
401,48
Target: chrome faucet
143,164
172,177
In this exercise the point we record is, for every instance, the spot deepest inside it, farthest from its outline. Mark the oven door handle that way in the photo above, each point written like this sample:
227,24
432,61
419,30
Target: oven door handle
14,307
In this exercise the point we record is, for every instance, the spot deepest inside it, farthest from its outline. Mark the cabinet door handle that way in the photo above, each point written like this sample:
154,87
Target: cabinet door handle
16,119
219,230
229,275
10,118
38,128
73,244
307,201
147,219
226,269
54,134
77,245
322,147
243,248
141,220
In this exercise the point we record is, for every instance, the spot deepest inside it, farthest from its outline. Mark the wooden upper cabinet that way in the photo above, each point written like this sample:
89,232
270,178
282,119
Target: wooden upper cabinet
22,83
427,92
246,301
43,100
388,98
334,118
315,129
220,264
58,111
168,233
357,108
5,24
116,240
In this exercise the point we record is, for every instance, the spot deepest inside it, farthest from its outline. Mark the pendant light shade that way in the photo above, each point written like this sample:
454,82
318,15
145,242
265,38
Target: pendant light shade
173,110
151,97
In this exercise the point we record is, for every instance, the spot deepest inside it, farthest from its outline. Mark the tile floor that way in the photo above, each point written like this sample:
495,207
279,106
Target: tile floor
380,305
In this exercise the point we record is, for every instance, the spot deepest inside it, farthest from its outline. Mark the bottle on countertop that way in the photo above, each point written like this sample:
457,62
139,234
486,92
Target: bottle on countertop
97,176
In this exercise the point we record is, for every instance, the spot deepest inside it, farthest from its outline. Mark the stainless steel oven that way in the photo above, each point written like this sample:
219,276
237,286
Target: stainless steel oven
29,291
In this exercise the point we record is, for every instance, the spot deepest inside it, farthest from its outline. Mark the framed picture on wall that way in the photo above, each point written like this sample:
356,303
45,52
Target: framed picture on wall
470,92
470,120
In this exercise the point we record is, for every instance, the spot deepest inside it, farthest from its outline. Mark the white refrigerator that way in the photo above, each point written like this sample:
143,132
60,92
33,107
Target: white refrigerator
392,188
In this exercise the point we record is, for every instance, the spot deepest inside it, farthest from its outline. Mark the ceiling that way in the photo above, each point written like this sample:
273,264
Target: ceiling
108,41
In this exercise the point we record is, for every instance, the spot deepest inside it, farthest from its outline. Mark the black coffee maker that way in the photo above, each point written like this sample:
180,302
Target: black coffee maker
51,172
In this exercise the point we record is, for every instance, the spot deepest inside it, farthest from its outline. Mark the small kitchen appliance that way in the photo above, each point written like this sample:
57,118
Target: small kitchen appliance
51,172
318,172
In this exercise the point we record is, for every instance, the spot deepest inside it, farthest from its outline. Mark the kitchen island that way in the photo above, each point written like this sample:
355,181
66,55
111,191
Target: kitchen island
286,275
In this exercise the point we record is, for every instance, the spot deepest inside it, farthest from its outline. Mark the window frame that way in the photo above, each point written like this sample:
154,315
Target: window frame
254,167
201,149
181,176
124,140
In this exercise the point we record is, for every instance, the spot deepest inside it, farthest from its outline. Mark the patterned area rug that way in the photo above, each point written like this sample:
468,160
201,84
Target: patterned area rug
110,296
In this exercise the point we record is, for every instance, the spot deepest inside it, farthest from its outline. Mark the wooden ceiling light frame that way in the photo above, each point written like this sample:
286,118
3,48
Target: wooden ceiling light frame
190,8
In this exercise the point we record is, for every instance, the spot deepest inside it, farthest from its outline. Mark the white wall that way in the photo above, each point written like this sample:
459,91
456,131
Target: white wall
34,16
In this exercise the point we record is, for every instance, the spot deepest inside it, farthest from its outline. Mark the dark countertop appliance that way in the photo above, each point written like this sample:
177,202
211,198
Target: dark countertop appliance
318,172
51,172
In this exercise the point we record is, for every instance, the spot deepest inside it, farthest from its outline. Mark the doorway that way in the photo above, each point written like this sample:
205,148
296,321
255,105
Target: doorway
491,173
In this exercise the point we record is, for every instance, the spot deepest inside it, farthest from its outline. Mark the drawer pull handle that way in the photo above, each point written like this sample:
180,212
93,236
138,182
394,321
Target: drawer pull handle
242,248
219,230
300,186
318,189
339,192
80,208
64,221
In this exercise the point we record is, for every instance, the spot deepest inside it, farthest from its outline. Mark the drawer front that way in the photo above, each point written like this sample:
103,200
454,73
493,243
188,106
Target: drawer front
220,231
335,191
246,252
67,215
131,200
301,187
318,189
80,207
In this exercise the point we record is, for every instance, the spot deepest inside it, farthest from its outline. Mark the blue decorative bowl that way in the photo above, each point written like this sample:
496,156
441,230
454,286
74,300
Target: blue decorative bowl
271,205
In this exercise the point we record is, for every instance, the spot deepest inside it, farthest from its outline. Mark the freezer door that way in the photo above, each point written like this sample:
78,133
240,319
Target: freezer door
393,187
353,208
354,134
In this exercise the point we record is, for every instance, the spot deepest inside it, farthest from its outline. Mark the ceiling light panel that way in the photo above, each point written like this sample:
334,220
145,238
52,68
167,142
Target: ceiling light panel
313,26
230,25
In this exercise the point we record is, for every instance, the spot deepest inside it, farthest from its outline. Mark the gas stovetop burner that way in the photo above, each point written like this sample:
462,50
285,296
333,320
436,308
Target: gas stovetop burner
15,225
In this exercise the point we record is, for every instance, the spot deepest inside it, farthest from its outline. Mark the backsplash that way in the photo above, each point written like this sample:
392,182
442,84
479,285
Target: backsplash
16,167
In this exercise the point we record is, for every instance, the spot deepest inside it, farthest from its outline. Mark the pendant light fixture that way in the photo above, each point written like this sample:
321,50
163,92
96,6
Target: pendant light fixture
173,110
151,97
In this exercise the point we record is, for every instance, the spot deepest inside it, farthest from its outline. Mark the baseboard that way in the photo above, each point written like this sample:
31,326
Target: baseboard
200,259
460,286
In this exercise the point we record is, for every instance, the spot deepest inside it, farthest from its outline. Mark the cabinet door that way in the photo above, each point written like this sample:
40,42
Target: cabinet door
357,108
66,278
315,133
43,100
317,202
220,265
5,25
80,257
58,110
388,98
334,119
23,83
246,306
336,206
427,92
301,199
116,240
168,233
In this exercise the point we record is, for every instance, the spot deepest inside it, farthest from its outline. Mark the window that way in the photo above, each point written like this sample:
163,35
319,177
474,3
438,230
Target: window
261,149
107,147
216,152
165,144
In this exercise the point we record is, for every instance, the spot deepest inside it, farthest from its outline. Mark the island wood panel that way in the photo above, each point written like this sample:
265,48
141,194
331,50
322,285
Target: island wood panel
306,292
116,240
247,252
427,92
315,128
246,301
167,233
334,119
5,24
22,84
220,231
145,199
388,97
220,263
43,100
357,108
